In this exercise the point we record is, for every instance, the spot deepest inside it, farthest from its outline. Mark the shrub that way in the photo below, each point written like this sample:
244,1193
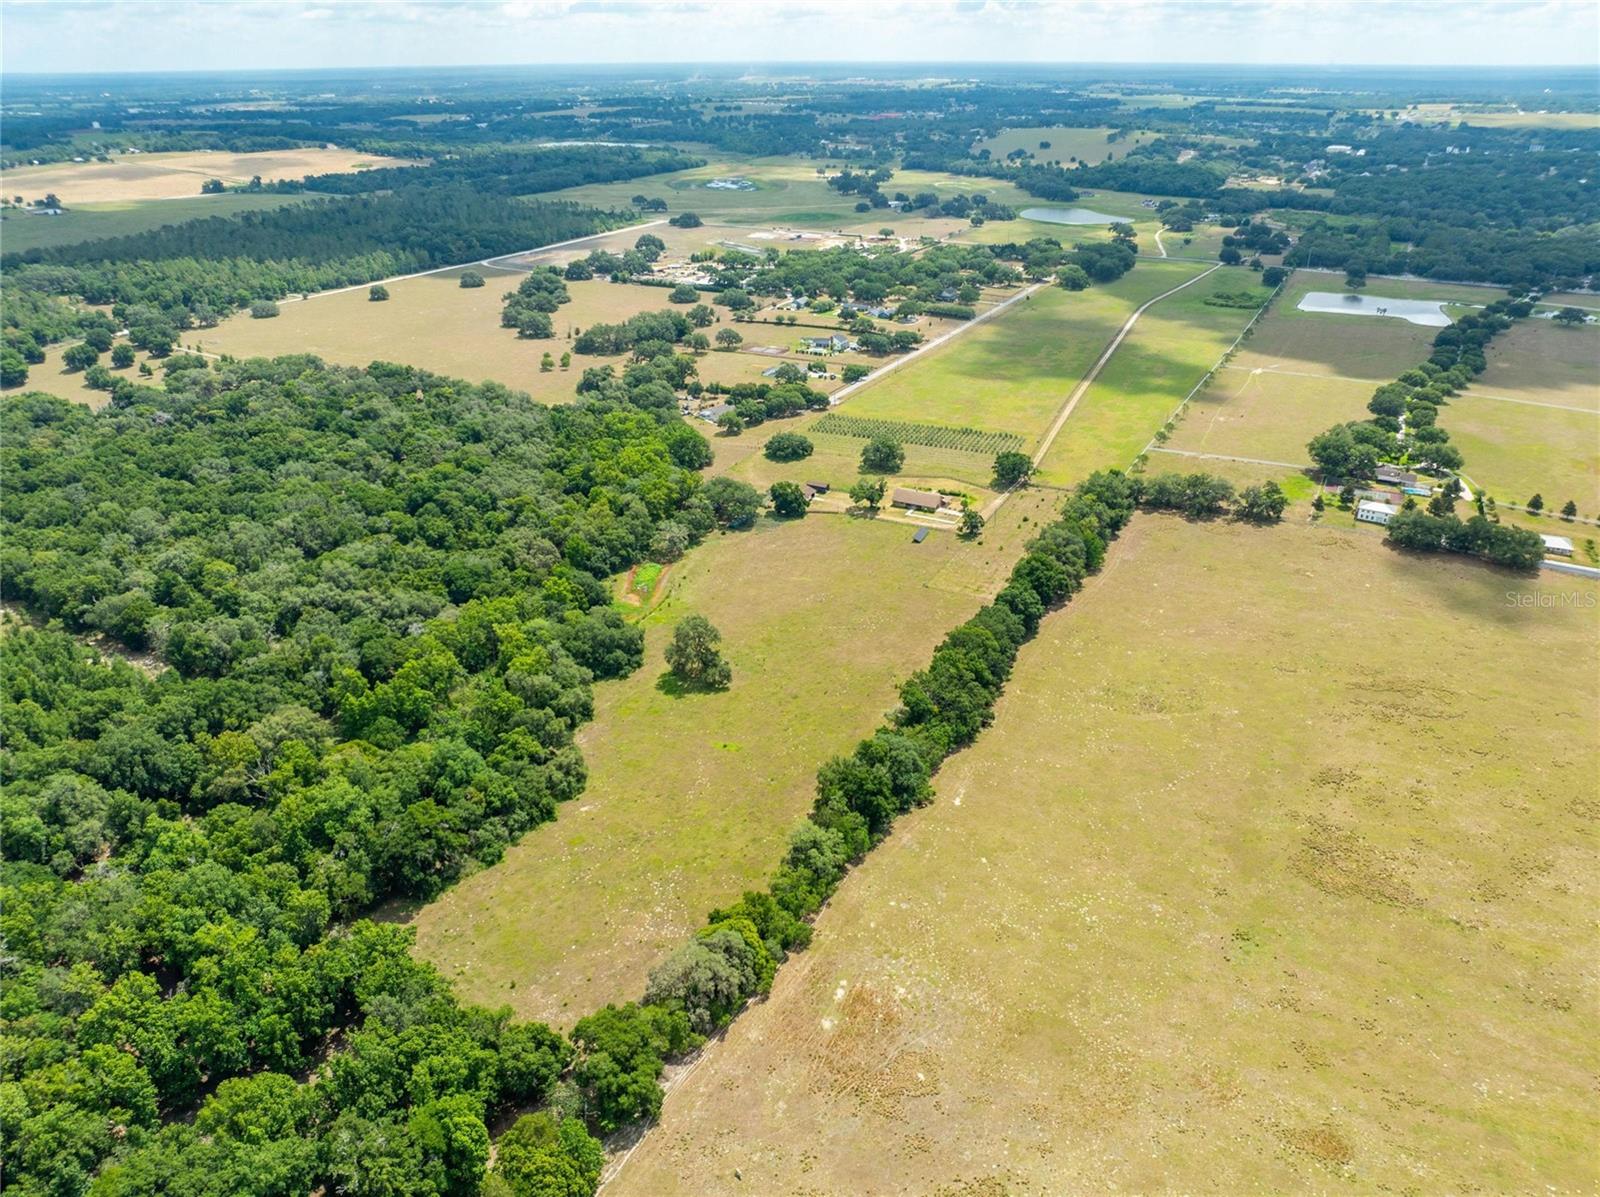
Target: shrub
788,446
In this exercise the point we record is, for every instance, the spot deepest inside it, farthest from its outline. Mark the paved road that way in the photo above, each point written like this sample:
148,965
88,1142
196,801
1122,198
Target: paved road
1570,567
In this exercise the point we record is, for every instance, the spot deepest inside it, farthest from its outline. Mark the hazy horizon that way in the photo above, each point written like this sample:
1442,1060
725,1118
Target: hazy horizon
93,37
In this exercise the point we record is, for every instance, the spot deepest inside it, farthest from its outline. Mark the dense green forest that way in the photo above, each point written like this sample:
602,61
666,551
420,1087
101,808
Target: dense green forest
375,596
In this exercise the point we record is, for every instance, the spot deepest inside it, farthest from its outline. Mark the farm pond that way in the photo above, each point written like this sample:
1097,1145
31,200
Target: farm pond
1069,216
1427,312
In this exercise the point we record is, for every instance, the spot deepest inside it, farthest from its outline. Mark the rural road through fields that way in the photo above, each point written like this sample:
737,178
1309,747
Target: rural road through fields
488,262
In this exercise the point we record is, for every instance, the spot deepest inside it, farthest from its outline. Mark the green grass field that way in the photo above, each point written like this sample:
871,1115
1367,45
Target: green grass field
20,233
1543,362
1227,891
1361,347
1166,354
1014,372
786,193
1086,145
691,798
836,460
1255,413
1514,450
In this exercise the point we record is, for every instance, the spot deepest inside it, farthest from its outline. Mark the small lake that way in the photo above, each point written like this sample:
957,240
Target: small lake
1341,303
1070,216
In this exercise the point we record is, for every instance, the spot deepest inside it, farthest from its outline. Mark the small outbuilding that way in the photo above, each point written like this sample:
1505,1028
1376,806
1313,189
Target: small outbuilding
1556,546
920,535
1369,511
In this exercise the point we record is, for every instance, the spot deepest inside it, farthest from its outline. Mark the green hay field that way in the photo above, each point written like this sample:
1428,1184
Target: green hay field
1014,372
1166,354
691,799
1235,889
1514,450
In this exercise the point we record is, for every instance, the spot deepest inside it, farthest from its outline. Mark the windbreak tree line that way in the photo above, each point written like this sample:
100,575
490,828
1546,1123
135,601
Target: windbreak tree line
376,594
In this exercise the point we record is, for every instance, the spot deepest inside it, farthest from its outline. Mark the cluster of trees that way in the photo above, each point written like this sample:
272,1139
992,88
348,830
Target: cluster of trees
756,402
1444,531
647,334
376,596
1204,496
1404,426
938,275
528,308
619,268
1085,263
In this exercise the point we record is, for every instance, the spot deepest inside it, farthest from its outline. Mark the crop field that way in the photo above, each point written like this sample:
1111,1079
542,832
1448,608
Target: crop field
1085,145
1256,413
433,323
691,797
1013,373
20,232
1543,362
1514,450
1360,347
1166,354
1221,894
935,436
171,176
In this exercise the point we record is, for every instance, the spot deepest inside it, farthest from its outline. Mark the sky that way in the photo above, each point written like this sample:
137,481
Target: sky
207,35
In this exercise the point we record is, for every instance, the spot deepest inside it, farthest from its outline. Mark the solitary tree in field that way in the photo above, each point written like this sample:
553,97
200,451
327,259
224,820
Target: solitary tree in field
1012,467
693,657
971,522
80,357
788,500
547,363
1569,510
471,279
867,492
1536,503
882,455
1355,274
1571,316
377,293
122,355
566,361
698,342
728,338
263,309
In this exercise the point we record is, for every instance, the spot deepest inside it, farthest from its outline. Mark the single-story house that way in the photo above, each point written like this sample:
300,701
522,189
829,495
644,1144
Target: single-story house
715,412
810,491
1556,546
1395,475
917,500
1371,512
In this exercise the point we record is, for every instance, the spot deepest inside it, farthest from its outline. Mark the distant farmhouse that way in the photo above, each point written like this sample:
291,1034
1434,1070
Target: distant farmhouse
1370,511
918,500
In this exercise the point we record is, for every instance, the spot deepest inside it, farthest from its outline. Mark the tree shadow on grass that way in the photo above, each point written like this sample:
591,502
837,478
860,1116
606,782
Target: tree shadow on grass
674,686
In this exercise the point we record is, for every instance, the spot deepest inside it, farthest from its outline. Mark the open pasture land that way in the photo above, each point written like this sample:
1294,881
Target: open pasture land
836,460
1374,348
20,232
1086,146
1513,119
171,176
785,191
680,243
1256,413
52,377
1224,902
1013,373
1156,366
432,322
1516,450
1540,361
691,798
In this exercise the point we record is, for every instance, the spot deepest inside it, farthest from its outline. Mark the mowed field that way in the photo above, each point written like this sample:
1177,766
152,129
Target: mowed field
170,176
786,192
1168,352
1268,416
1088,146
1013,373
20,232
1224,902
691,798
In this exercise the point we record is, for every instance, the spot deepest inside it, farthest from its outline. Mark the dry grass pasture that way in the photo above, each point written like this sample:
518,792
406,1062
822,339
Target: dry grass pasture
1088,146
52,377
1515,450
691,798
1257,413
1543,362
433,323
1310,917
171,176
